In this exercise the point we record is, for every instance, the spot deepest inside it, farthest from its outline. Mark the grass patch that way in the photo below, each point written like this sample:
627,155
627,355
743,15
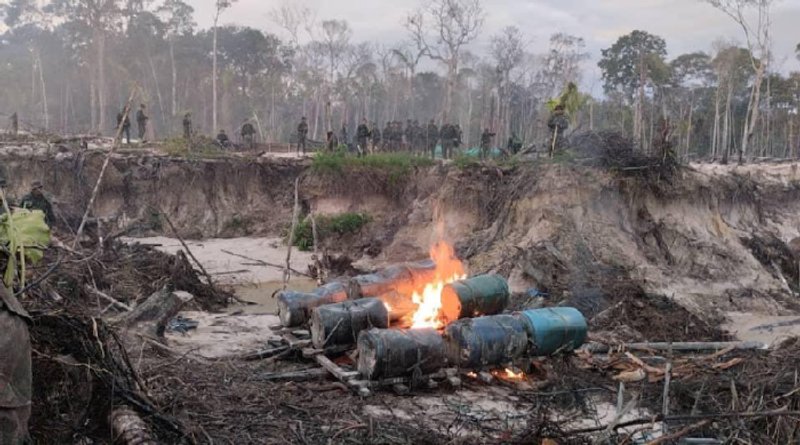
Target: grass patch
341,224
464,161
202,147
395,164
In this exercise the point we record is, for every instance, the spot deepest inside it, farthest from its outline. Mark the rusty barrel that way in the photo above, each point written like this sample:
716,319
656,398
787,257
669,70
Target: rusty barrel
486,341
555,329
387,353
401,278
294,308
339,324
475,297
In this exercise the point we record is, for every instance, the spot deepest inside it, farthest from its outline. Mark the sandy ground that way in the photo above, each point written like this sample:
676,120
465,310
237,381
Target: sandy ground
240,328
763,328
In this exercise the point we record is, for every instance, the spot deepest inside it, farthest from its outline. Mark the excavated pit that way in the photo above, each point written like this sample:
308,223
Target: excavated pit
708,255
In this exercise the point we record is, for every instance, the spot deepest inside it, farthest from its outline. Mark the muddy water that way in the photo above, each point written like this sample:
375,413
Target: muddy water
260,294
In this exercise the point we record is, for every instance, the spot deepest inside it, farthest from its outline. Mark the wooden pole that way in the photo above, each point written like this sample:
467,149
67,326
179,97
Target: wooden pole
117,140
287,271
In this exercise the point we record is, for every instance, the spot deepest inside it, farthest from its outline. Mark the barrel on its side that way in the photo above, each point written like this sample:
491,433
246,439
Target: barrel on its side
555,329
402,278
474,297
294,308
387,353
485,341
339,324
400,306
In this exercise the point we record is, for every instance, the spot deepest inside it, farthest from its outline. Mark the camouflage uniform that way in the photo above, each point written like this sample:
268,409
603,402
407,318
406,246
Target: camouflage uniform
376,137
124,121
248,133
35,200
558,125
302,135
141,121
362,137
187,126
15,371
431,138
486,142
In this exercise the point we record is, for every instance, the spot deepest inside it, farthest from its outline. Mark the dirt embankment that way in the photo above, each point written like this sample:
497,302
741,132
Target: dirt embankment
691,252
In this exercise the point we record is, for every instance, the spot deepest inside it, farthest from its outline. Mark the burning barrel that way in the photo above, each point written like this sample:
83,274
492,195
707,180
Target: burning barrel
387,353
486,341
294,308
473,297
402,278
555,329
339,324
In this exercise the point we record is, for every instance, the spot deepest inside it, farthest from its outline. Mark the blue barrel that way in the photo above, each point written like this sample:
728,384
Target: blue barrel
554,329
485,341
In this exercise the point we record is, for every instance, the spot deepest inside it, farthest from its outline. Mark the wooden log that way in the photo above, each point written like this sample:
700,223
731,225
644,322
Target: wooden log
596,348
339,324
153,314
387,353
295,376
128,428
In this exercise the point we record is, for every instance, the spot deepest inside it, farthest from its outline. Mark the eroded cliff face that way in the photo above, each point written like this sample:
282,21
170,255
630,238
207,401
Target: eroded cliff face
716,240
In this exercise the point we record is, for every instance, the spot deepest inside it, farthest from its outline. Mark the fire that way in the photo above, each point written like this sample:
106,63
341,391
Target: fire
448,269
509,374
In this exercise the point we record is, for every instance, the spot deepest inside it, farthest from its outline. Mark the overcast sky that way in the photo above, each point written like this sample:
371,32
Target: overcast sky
687,25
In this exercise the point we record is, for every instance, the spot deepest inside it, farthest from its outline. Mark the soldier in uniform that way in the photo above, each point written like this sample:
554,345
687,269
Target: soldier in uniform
343,136
376,138
362,137
187,126
15,371
141,121
447,140
486,143
419,138
223,140
14,119
35,200
124,121
432,138
248,133
558,125
302,135
332,142
408,134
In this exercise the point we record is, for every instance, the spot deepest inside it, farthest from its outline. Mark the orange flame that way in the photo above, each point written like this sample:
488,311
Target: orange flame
448,270
509,374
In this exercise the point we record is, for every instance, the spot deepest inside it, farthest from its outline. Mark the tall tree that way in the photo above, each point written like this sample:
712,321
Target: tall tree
633,63
441,29
507,52
758,37
219,7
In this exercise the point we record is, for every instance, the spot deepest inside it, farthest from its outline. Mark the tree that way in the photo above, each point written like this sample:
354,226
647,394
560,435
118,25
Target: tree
508,52
220,7
177,17
441,29
691,73
633,63
757,35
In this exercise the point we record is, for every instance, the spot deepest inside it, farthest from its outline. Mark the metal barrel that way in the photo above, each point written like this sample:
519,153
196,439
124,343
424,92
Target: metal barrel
294,308
388,353
339,324
475,297
402,278
555,329
401,307
485,341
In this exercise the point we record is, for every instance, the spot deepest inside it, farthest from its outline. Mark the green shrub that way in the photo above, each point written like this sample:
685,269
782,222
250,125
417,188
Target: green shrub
327,225
396,165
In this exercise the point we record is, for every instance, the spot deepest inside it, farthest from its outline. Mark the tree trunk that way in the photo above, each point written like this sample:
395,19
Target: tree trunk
174,82
752,111
101,81
44,92
715,132
151,128
214,78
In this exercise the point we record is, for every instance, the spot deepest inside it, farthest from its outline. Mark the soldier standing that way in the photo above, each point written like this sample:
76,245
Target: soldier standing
343,137
387,137
187,126
362,137
376,137
223,140
332,142
486,143
248,133
141,121
124,121
302,134
558,125
447,140
431,138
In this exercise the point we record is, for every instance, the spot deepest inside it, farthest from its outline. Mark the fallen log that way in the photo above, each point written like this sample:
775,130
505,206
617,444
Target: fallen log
294,308
474,297
596,348
485,341
388,353
339,324
153,314
294,376
129,429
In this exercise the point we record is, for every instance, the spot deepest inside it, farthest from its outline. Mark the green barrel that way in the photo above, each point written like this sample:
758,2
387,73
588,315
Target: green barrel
388,353
294,308
485,341
475,297
555,329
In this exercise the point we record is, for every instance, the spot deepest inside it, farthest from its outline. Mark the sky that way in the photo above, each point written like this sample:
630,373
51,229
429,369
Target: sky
686,25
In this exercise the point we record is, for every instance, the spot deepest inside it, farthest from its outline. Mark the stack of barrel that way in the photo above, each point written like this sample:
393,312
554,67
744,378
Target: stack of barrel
373,311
